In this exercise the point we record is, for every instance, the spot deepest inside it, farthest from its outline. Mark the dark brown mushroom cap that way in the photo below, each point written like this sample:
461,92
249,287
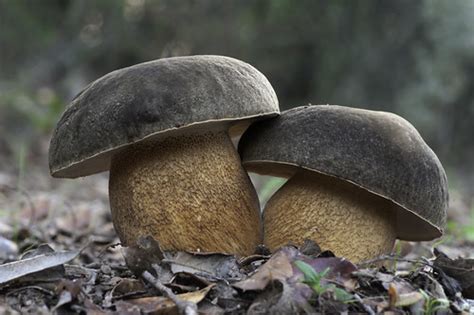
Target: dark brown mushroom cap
153,98
378,151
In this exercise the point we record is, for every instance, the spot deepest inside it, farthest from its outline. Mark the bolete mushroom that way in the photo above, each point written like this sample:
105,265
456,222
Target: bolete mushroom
162,129
359,179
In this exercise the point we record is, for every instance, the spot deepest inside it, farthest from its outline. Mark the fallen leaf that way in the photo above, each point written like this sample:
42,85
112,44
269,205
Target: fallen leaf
17,269
213,265
287,294
48,275
278,267
41,249
186,282
427,282
461,269
163,305
127,287
227,297
381,281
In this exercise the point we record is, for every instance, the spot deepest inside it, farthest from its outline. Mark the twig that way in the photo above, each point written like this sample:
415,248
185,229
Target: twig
391,257
421,261
34,287
184,307
201,272
367,308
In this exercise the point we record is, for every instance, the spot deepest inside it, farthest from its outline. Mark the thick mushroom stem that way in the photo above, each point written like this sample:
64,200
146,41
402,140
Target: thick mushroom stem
339,216
188,192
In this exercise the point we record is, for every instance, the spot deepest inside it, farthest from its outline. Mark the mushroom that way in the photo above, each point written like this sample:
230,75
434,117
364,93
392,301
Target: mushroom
358,179
163,129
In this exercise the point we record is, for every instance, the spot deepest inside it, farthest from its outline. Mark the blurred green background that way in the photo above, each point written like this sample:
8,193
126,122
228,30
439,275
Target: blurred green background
414,58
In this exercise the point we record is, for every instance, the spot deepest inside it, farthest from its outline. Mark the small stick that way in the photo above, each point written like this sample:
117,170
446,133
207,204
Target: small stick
422,261
184,307
391,258
367,308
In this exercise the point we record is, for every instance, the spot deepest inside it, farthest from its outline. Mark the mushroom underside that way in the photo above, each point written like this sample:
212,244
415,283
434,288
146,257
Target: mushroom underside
188,192
339,216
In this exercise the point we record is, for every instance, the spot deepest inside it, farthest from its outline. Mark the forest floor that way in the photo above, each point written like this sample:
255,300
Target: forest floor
59,254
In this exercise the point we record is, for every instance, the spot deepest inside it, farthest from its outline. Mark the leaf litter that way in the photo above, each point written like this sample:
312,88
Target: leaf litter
72,262
40,261
288,281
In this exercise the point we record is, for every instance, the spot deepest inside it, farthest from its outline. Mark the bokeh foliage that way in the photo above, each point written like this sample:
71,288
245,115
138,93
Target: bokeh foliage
414,58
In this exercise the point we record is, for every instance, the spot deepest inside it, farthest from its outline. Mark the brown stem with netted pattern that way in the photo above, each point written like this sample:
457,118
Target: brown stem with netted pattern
188,192
337,215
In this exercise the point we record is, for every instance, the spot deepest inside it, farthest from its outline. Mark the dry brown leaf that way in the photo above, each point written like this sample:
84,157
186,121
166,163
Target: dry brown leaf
461,269
127,287
163,305
277,268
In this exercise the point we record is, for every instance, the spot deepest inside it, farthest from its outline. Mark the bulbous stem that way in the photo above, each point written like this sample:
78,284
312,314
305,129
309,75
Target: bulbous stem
337,215
188,192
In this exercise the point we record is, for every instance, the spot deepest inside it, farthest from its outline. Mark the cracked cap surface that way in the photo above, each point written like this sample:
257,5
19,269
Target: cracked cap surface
378,151
153,98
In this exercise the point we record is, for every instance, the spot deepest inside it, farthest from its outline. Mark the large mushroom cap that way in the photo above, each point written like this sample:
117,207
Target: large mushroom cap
151,99
378,151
